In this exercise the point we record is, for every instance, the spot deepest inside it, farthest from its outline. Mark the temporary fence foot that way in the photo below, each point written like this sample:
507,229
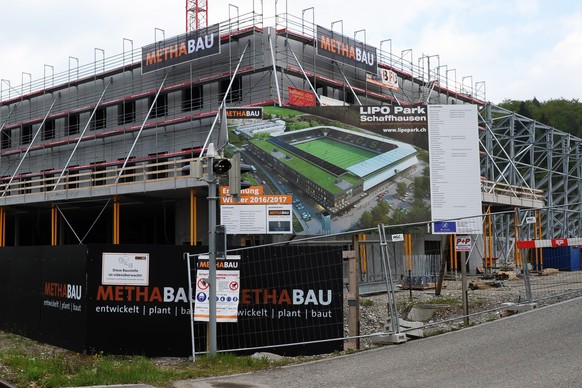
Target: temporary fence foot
390,339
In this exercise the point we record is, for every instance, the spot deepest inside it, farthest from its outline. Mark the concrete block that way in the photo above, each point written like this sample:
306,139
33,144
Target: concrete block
389,339
411,329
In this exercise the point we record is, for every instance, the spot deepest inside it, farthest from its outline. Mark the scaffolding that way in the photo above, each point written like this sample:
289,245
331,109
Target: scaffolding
105,129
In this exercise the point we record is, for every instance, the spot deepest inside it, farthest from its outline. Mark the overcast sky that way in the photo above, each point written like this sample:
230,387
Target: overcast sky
520,48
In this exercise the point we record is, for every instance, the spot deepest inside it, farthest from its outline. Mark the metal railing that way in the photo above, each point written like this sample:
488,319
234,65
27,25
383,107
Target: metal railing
100,176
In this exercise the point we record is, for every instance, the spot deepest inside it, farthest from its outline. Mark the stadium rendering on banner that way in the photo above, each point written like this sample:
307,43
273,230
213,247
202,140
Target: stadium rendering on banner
97,154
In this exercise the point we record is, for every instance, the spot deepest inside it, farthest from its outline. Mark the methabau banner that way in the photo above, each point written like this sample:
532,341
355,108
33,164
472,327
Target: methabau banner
181,48
65,296
44,294
342,49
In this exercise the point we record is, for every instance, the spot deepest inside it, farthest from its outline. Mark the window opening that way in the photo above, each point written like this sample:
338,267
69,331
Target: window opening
6,139
126,112
25,184
160,108
235,90
25,134
47,180
99,119
48,130
72,122
192,98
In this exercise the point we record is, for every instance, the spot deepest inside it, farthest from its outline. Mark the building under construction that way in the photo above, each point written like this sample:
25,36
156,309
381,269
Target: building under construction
97,154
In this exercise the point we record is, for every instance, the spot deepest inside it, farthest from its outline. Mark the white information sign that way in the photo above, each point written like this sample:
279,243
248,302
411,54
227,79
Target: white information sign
125,269
257,219
454,166
463,243
227,289
397,237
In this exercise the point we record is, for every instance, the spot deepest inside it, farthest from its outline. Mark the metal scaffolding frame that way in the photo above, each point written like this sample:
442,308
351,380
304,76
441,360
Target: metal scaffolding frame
522,152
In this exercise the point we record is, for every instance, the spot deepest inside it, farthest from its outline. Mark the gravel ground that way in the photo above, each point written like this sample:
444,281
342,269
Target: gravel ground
484,303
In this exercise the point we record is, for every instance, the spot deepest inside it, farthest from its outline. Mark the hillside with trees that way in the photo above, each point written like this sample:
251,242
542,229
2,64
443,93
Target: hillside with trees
564,115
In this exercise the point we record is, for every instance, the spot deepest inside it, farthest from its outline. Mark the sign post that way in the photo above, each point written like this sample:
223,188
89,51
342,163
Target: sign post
463,244
212,192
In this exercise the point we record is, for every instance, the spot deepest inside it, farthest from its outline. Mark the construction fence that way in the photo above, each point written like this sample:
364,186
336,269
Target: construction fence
304,296
395,282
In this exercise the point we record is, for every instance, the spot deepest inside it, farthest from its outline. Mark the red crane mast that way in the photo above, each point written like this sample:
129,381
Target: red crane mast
196,14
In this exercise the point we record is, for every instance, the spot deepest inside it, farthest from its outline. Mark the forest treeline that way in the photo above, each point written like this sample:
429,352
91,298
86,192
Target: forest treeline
564,115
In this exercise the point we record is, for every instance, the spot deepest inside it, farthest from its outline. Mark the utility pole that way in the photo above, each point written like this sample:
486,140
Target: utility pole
216,166
212,183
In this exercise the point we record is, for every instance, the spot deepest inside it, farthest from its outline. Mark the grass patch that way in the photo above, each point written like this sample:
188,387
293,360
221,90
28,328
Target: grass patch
335,152
281,112
366,302
311,172
36,364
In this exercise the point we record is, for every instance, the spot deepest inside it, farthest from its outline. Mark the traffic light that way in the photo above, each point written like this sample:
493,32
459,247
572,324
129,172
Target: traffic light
196,167
221,166
235,174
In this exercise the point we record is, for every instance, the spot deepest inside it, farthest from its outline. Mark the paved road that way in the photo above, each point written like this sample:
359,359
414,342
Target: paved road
541,348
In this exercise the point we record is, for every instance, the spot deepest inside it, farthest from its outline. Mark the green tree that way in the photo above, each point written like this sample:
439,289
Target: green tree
564,115
421,186
398,217
418,212
366,220
523,110
380,212
401,188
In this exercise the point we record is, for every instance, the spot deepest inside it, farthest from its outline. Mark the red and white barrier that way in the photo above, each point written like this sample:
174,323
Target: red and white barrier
556,242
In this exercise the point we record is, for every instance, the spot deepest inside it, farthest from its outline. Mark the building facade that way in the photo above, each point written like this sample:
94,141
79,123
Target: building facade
97,153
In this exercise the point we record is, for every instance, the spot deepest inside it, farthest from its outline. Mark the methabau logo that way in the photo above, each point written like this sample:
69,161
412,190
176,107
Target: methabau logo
244,113
182,48
63,290
346,50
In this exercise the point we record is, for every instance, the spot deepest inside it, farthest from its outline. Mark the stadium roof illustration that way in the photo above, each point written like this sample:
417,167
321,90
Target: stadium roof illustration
398,156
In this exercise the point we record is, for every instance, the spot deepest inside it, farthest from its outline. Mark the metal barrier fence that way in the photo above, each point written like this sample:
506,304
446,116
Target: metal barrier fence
410,282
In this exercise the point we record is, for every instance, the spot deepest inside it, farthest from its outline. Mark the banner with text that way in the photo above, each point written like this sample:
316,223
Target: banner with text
227,290
181,48
343,49
345,161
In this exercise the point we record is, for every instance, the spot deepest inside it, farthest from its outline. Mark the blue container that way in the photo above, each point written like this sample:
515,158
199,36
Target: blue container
562,258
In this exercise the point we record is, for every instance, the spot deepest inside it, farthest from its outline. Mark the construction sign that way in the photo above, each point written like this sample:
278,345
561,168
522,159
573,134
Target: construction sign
256,213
